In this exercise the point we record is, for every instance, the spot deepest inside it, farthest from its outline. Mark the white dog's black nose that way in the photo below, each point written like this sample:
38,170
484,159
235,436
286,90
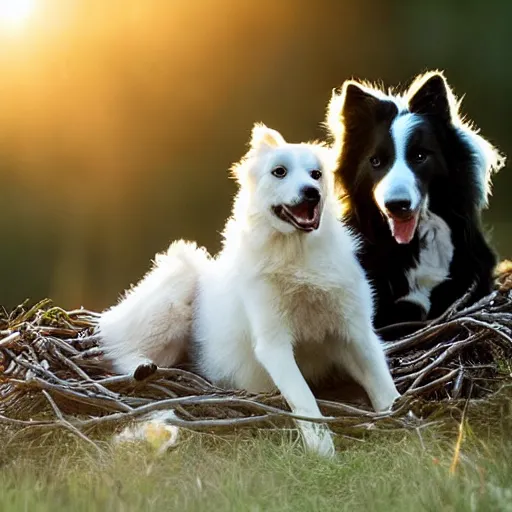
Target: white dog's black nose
399,208
311,194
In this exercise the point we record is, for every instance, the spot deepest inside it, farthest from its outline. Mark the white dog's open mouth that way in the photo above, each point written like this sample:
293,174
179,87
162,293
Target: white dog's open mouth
403,229
304,216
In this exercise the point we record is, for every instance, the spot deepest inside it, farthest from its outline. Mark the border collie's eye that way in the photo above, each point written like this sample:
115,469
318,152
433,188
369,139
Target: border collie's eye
375,162
279,172
316,174
419,156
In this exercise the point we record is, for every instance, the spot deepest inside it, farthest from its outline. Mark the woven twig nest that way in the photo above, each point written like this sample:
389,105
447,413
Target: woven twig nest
52,373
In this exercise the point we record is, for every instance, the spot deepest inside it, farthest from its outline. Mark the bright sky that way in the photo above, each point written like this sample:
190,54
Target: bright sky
15,13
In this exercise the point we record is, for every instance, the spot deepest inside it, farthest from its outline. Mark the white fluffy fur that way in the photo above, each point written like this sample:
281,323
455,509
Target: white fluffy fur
152,321
433,265
277,306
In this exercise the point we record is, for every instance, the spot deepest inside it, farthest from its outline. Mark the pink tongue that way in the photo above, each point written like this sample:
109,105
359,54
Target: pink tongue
403,230
302,211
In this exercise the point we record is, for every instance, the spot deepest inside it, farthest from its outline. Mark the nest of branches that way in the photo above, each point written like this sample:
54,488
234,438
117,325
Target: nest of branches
52,374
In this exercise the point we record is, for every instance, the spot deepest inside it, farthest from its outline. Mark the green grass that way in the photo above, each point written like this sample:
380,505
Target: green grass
266,471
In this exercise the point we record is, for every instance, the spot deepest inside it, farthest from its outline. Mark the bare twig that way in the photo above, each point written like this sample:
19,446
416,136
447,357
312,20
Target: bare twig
66,424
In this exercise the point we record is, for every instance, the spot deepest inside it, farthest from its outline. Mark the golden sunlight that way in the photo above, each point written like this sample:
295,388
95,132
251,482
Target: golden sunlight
15,12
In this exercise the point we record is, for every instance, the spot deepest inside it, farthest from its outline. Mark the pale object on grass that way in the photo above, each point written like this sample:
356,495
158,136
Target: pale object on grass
153,429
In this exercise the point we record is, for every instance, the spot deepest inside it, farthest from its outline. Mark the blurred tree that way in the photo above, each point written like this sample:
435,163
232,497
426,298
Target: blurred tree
119,120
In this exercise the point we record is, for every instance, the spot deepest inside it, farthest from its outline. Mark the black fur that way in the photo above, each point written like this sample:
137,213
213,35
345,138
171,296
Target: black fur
361,127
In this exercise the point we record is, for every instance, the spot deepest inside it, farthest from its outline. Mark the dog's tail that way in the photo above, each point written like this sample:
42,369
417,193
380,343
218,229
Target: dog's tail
151,323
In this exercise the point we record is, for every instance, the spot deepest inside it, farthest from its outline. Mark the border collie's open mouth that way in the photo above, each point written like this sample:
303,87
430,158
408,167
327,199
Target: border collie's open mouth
403,228
304,216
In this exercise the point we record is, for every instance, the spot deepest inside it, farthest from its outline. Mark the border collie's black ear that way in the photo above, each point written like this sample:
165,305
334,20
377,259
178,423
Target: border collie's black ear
348,105
356,96
430,94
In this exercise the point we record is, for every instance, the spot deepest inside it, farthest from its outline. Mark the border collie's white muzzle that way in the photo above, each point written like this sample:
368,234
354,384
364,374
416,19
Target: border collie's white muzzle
399,199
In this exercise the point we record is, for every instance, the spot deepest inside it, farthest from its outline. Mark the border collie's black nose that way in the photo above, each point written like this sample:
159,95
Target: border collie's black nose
399,208
311,195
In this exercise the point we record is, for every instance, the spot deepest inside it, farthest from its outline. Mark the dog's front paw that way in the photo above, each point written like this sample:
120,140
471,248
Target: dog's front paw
144,371
317,438
397,402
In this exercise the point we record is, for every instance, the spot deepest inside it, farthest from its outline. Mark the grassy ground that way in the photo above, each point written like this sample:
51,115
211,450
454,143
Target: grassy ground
267,471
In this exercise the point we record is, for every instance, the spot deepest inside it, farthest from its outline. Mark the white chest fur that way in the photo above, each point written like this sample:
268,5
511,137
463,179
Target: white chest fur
435,257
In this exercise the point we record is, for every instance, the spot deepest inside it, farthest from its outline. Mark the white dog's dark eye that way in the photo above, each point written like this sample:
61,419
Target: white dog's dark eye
280,172
375,161
316,174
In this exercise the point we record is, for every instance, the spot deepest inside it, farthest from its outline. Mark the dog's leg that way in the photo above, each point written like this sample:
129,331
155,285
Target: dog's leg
276,356
151,324
273,347
363,358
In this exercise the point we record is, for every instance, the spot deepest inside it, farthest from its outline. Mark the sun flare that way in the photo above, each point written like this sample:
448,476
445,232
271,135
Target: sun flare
13,13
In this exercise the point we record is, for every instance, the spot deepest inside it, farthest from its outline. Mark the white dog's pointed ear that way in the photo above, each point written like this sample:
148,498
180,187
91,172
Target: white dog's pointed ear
262,137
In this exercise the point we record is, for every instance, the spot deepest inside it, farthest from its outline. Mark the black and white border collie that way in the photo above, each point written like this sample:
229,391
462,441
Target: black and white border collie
414,178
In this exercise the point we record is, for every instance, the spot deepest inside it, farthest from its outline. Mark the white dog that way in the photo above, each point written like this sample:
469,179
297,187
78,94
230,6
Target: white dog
284,302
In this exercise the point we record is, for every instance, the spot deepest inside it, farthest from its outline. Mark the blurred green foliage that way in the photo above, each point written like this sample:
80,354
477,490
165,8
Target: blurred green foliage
119,120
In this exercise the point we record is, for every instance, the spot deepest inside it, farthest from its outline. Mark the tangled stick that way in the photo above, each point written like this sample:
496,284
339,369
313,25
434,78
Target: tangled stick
52,374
